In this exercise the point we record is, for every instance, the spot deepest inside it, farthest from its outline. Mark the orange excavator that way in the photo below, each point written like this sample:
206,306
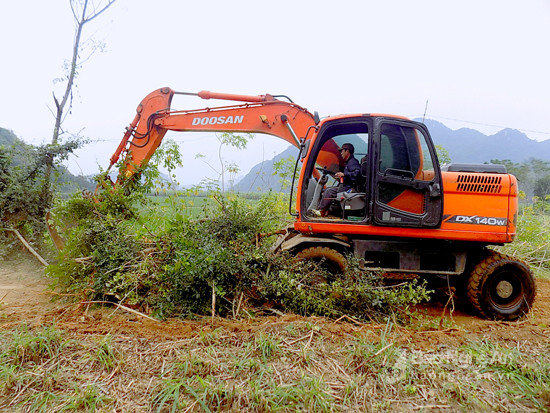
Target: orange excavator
405,215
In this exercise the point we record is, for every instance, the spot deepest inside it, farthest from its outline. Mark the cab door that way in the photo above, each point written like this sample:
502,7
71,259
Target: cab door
406,179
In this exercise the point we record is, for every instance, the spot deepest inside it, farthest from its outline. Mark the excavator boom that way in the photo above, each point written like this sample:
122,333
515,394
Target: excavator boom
154,118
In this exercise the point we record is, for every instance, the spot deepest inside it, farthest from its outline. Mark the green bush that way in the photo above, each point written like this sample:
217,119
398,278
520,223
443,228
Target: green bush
302,287
25,192
112,254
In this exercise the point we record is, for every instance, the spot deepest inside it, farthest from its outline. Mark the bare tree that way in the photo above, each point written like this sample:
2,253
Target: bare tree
84,11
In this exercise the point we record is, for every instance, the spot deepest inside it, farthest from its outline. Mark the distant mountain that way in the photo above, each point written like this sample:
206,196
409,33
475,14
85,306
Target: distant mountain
464,146
261,178
471,146
7,137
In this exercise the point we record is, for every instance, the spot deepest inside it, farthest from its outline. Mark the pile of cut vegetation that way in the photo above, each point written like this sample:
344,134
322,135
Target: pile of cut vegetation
170,262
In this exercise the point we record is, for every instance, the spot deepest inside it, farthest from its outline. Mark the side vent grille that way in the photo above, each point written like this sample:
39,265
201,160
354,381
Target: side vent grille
478,183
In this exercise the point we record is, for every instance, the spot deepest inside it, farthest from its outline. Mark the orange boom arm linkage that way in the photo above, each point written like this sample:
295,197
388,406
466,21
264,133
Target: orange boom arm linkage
260,114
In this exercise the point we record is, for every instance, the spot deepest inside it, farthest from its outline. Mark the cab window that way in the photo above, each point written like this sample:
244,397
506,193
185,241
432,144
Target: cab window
404,151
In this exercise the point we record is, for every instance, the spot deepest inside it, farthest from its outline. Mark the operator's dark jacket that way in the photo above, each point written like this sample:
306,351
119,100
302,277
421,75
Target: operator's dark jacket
352,171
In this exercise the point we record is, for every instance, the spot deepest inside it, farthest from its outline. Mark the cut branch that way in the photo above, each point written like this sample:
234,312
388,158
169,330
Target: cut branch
27,245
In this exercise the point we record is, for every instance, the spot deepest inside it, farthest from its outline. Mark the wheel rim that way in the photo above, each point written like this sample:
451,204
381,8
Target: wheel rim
505,291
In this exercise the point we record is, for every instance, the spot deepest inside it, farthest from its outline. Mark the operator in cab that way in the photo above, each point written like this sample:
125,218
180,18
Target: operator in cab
348,178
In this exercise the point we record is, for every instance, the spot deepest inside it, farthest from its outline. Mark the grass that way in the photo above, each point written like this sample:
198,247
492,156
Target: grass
28,345
192,206
267,346
276,366
532,243
105,354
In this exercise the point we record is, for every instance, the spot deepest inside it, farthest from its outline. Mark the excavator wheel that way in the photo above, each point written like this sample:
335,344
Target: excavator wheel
501,287
333,261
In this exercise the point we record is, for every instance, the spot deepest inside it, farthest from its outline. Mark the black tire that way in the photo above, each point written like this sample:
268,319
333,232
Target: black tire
501,287
334,261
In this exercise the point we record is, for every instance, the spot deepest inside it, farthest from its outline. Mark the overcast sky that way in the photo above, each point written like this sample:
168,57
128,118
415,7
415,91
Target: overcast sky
480,64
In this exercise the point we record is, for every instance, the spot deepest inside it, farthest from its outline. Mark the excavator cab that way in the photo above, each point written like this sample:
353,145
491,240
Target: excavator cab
350,199
400,181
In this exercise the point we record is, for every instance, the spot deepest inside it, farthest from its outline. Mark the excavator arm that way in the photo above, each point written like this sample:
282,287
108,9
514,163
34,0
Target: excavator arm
154,118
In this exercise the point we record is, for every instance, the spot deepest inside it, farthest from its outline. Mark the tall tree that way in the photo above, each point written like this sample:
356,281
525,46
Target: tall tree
84,11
